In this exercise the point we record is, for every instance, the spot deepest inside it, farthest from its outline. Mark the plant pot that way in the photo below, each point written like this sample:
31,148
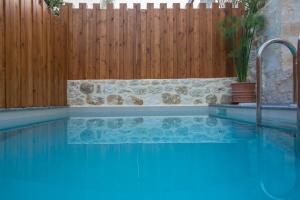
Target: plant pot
243,93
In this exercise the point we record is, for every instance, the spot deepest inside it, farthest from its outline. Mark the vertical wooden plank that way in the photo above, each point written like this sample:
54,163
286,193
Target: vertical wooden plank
56,56
46,21
83,58
45,16
150,25
38,73
91,43
50,58
76,72
122,40
182,45
57,59
209,50
216,46
96,7
170,43
2,55
134,45
176,37
13,54
104,70
60,38
60,55
163,40
49,61
129,57
64,61
70,39
110,37
221,43
143,44
82,41
195,45
189,39
156,46
53,62
203,43
116,42
137,41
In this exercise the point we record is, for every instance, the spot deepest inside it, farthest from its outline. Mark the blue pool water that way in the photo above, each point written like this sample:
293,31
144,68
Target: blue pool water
141,158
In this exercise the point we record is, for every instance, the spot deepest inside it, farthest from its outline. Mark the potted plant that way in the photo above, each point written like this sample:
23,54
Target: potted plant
246,27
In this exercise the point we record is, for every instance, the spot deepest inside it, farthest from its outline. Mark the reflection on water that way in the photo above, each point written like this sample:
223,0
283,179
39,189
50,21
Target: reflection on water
279,164
200,129
235,161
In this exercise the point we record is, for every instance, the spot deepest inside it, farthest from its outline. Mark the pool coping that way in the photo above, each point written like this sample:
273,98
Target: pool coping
253,106
10,118
24,116
31,108
244,106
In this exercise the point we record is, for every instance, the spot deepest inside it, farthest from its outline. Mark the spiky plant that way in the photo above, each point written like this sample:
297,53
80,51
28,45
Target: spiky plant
247,25
54,5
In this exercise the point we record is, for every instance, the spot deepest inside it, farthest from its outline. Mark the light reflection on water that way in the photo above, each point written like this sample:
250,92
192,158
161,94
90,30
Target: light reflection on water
201,129
148,158
279,164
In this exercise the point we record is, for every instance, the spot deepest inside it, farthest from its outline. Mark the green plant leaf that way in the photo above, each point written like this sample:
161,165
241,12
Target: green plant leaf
244,29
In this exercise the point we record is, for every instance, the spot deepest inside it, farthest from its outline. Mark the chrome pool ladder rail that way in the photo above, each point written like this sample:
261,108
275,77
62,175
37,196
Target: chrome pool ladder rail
298,84
296,75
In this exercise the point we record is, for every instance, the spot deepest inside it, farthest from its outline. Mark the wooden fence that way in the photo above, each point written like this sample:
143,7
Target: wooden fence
33,52
148,43
39,51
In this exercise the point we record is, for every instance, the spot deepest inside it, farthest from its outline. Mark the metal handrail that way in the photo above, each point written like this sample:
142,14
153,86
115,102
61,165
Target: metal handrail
296,73
298,85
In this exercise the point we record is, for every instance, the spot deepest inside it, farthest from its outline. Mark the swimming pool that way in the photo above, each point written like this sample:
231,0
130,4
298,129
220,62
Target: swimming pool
162,154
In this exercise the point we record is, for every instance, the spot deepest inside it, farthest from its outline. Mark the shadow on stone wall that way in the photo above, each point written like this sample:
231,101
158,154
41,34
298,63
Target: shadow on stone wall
283,21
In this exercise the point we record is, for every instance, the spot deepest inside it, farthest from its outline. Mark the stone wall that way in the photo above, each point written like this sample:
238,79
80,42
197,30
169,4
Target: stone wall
149,92
283,21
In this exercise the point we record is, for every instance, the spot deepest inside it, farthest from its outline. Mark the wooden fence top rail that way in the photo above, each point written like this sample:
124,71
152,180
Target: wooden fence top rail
151,5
